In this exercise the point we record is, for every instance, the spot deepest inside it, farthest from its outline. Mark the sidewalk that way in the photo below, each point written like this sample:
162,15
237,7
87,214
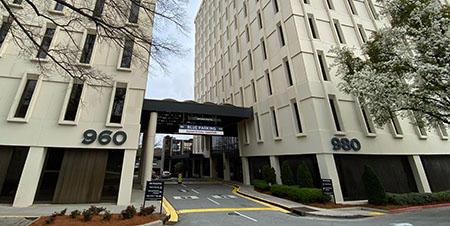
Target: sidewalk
36,210
304,210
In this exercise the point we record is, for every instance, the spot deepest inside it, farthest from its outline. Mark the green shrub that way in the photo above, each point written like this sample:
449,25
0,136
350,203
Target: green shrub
128,213
146,210
87,215
107,216
179,167
374,188
261,185
304,178
74,214
96,210
287,177
418,198
269,174
307,195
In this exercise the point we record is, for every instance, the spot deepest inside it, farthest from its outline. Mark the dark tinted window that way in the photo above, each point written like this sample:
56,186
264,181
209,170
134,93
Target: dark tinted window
88,48
134,11
59,7
4,31
127,54
74,101
98,10
117,109
25,100
46,41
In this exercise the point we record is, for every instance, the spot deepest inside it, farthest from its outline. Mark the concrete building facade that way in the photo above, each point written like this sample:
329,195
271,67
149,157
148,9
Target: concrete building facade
273,56
64,140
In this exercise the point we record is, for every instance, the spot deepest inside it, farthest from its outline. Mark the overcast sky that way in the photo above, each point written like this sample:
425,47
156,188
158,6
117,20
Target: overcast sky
179,82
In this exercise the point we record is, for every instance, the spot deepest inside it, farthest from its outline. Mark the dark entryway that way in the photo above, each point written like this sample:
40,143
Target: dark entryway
437,168
80,176
296,160
394,172
256,164
12,161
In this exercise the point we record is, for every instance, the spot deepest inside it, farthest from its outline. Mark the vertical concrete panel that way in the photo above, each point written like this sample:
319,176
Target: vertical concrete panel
419,174
149,147
226,167
246,170
126,178
30,177
274,163
327,168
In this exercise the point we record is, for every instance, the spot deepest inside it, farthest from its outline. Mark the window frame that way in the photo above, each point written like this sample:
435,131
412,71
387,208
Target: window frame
83,43
396,129
122,51
35,57
5,42
18,96
111,103
299,128
62,121
336,115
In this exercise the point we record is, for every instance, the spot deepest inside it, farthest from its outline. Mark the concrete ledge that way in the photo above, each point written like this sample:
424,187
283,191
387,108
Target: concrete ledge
154,223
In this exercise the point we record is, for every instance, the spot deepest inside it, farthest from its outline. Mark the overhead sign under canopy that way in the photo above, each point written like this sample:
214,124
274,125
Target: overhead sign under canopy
201,130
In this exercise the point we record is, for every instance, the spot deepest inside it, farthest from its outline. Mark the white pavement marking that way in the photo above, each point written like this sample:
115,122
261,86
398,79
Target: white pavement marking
401,224
183,185
217,196
177,197
232,197
213,201
184,197
196,192
242,215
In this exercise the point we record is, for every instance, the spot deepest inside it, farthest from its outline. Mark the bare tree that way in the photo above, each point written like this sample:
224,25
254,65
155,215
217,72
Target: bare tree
122,24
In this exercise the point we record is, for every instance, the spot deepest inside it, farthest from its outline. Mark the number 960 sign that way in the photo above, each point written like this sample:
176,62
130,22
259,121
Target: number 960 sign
105,137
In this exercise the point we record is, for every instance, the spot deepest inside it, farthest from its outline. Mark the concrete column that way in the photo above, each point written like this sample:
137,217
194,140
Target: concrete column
149,147
201,168
142,162
274,163
29,179
245,170
193,167
327,168
419,174
226,167
126,178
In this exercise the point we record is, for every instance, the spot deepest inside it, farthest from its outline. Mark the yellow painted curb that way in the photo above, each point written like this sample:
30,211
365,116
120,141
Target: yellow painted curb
170,211
236,189
224,210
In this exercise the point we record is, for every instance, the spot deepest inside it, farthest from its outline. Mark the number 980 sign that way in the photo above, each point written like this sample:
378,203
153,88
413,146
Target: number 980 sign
345,144
104,138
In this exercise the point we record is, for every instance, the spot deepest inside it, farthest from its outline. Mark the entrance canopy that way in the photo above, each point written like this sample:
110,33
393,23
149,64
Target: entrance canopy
172,114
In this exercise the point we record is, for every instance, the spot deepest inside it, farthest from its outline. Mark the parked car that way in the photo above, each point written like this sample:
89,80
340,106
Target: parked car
166,174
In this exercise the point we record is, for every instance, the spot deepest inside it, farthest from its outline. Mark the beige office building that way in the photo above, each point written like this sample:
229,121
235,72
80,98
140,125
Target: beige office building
273,56
65,140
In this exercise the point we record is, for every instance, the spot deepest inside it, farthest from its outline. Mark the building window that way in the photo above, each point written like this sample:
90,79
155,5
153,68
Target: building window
73,103
373,10
127,54
98,9
250,60
330,4
281,35
25,99
260,23
246,141
275,6
88,48
242,96
351,4
287,68
275,124
397,130
335,112
134,11
255,97
422,132
339,32
362,33
247,32
442,131
306,1
4,29
237,44
297,119
323,66
59,7
312,26
239,69
269,84
46,42
18,2
367,119
263,47
245,10
118,105
258,128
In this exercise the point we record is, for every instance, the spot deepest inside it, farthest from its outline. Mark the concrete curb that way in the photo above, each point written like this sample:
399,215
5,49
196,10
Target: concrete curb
301,213
154,223
419,208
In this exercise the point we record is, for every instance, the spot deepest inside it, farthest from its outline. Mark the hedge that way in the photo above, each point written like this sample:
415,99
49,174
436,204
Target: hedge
269,174
373,187
307,195
304,178
261,185
418,198
287,177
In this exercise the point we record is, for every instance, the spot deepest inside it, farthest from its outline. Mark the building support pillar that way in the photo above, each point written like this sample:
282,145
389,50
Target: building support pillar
274,163
201,168
126,177
193,167
327,168
419,174
245,171
149,148
226,167
29,179
212,173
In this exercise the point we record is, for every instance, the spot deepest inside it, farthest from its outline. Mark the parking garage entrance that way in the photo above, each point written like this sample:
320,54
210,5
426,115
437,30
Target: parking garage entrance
218,124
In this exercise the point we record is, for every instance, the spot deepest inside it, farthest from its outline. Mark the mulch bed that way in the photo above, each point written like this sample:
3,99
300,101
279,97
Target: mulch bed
98,220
